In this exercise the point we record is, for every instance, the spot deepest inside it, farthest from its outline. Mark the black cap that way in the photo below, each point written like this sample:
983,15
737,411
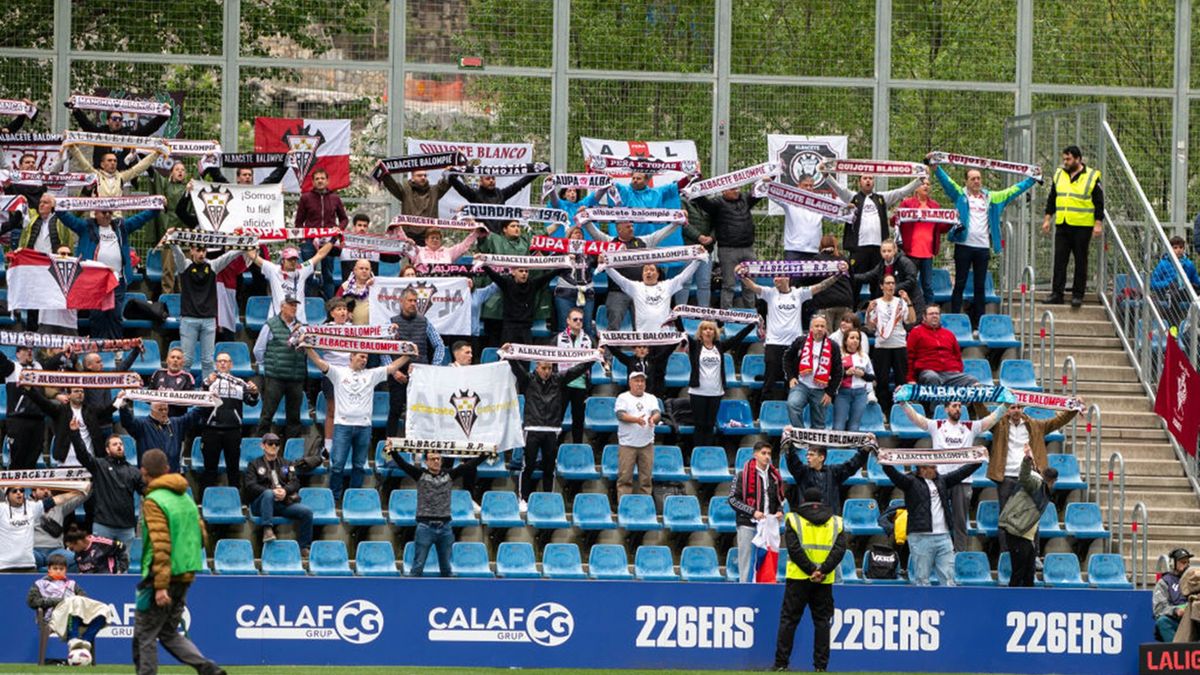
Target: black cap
1180,554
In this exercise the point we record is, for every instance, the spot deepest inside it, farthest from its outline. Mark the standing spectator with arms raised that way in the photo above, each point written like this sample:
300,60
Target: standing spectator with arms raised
321,207
863,235
284,369
433,507
927,498
730,216
921,239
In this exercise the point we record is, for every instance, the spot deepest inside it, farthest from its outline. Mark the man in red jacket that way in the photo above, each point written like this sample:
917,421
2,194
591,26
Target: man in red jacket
934,356
320,207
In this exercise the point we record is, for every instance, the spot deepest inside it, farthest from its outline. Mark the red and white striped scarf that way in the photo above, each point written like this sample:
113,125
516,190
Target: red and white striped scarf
821,367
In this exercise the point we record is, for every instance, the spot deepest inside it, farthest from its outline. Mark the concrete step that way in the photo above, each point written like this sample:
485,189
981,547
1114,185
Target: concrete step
1156,499
1135,420
1082,342
1092,357
1129,452
1091,387
1063,313
1094,373
1152,466
1084,327
1117,402
1111,432
1169,515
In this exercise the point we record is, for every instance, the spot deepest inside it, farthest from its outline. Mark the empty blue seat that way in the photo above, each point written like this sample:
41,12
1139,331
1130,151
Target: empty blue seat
402,508
875,472
987,519
943,287
490,355
154,267
731,565
257,307
281,557
515,560
753,368
149,360
546,511
314,310
233,556
1069,477
1107,570
361,508
433,567
872,421
320,500
608,561
470,559
591,511
699,563
971,568
1004,570
636,513
599,414
135,556
239,352
721,517
609,459
681,513
996,331
847,571
500,509
979,369
562,561
654,563
1082,521
734,418
861,517
329,559
1048,525
375,559
462,509
903,427
1061,570
773,417
1018,374
679,370
576,461
979,479
732,380
222,506
960,325
668,464
709,464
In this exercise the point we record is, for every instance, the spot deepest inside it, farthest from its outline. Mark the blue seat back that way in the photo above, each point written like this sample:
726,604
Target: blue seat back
591,507
375,558
988,514
971,566
402,505
709,460
959,324
499,504
860,512
681,509
1060,568
562,560
979,369
1018,374
546,506
1106,568
699,562
515,558
668,461
636,509
470,557
361,502
219,502
653,561
233,556
281,556
1083,516
608,560
329,558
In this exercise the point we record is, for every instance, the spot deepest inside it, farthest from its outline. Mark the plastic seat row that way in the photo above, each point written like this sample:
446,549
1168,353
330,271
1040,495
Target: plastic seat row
971,568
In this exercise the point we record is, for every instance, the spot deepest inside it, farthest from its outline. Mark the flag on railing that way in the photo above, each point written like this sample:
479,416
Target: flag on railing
1178,398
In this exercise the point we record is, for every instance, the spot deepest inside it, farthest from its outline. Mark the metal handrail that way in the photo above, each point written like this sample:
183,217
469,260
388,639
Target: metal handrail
1116,523
1093,430
1043,371
1070,375
1010,262
1025,320
1140,564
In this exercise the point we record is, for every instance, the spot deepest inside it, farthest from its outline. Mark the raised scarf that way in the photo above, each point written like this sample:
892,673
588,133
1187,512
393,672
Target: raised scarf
548,244
522,169
506,212
76,343
728,181
650,256
62,379
949,216
16,108
824,205
955,159
873,167
74,137
793,268
291,233
634,215
579,181
617,338
827,438
921,456
460,449
523,352
122,105
940,393
229,242
201,398
820,366
408,163
252,160
130,203
622,165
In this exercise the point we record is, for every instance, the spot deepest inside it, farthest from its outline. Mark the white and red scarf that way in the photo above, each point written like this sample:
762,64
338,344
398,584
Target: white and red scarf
820,366
889,315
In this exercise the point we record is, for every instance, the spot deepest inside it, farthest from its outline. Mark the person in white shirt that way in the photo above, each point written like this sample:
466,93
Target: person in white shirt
354,397
886,317
954,432
863,236
289,276
858,375
706,387
17,522
785,306
927,499
802,228
338,311
637,414
652,298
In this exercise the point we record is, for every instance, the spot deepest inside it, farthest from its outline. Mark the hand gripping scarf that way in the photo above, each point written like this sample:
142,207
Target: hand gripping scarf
1033,399
579,181
148,143
827,438
736,179
76,343
15,108
571,355
53,479
409,163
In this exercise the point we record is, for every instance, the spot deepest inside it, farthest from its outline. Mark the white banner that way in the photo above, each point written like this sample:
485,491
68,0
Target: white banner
444,301
476,153
799,156
228,206
471,403
667,151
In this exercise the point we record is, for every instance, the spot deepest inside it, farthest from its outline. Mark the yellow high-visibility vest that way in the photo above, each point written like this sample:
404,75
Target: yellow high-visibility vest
1073,199
817,541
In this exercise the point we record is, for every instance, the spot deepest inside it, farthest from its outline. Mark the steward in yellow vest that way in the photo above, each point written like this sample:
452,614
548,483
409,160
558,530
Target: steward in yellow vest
816,543
1076,206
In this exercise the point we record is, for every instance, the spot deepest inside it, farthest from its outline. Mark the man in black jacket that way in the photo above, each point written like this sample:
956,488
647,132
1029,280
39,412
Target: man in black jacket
731,219
24,426
649,360
61,412
927,498
814,474
520,292
271,488
756,492
894,262
114,482
94,399
487,193
434,488
545,403
813,366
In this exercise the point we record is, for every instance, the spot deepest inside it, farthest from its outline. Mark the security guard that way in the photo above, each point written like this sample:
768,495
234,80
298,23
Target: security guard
1076,205
816,542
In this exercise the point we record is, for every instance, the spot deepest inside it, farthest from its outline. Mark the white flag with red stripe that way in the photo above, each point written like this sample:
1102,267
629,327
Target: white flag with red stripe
314,144
37,281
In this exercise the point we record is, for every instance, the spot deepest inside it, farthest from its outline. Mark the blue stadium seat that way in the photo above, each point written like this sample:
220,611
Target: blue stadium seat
996,331
1019,374
499,509
1069,477
875,472
872,421
293,450
971,569
1107,570
654,563
987,519
462,509
731,329
233,556
635,513
402,508
960,325
171,302
149,360
979,479
721,517
943,287
979,369
314,310
734,418
861,517
1004,570
599,415
470,559
753,368
490,355
903,427
546,511
699,563
709,464
329,559
591,511
990,296
240,353
576,461
609,458
135,556
493,468
381,457
1056,436
281,557
361,507
773,417
1061,570
251,450
732,380
222,506
608,561
1082,521
1048,525
681,513
433,567
320,500
154,266
375,559
562,561
257,308
679,370
668,464
847,572
834,456
515,560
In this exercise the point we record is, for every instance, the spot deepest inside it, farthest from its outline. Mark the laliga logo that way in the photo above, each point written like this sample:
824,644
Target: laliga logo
549,624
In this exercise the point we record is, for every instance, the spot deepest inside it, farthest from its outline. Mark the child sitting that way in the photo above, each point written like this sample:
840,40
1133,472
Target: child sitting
70,614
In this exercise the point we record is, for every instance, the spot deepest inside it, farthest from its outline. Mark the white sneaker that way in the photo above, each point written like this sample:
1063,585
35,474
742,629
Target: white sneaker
522,506
475,505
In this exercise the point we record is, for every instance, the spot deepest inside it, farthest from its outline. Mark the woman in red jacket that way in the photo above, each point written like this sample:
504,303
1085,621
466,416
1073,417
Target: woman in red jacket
921,240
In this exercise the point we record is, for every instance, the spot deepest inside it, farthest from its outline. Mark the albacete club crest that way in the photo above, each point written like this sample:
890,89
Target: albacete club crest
800,159
425,292
303,144
65,271
216,205
465,402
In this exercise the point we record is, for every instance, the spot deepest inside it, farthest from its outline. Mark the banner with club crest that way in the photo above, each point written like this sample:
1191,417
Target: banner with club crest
226,207
444,301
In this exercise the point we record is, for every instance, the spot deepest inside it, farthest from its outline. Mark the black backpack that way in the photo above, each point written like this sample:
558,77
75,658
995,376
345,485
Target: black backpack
882,562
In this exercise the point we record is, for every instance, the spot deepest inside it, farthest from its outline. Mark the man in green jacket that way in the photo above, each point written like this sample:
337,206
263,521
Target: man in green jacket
174,187
1020,518
173,537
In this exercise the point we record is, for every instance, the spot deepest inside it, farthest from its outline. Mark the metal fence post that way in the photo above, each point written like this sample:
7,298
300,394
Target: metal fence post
60,86
231,75
1179,126
560,86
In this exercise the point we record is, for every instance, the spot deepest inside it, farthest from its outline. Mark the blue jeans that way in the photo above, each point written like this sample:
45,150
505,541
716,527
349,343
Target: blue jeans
703,279
432,534
970,259
929,551
848,408
108,324
40,555
925,271
1167,627
192,330
124,535
801,397
348,441
565,302
267,508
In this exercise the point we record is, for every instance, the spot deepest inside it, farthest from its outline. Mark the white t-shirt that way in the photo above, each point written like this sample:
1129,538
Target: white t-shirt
868,225
284,284
801,229
336,358
16,533
652,304
937,515
1018,438
632,434
783,313
947,435
43,239
883,309
354,393
978,232
709,365
837,336
71,459
109,251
